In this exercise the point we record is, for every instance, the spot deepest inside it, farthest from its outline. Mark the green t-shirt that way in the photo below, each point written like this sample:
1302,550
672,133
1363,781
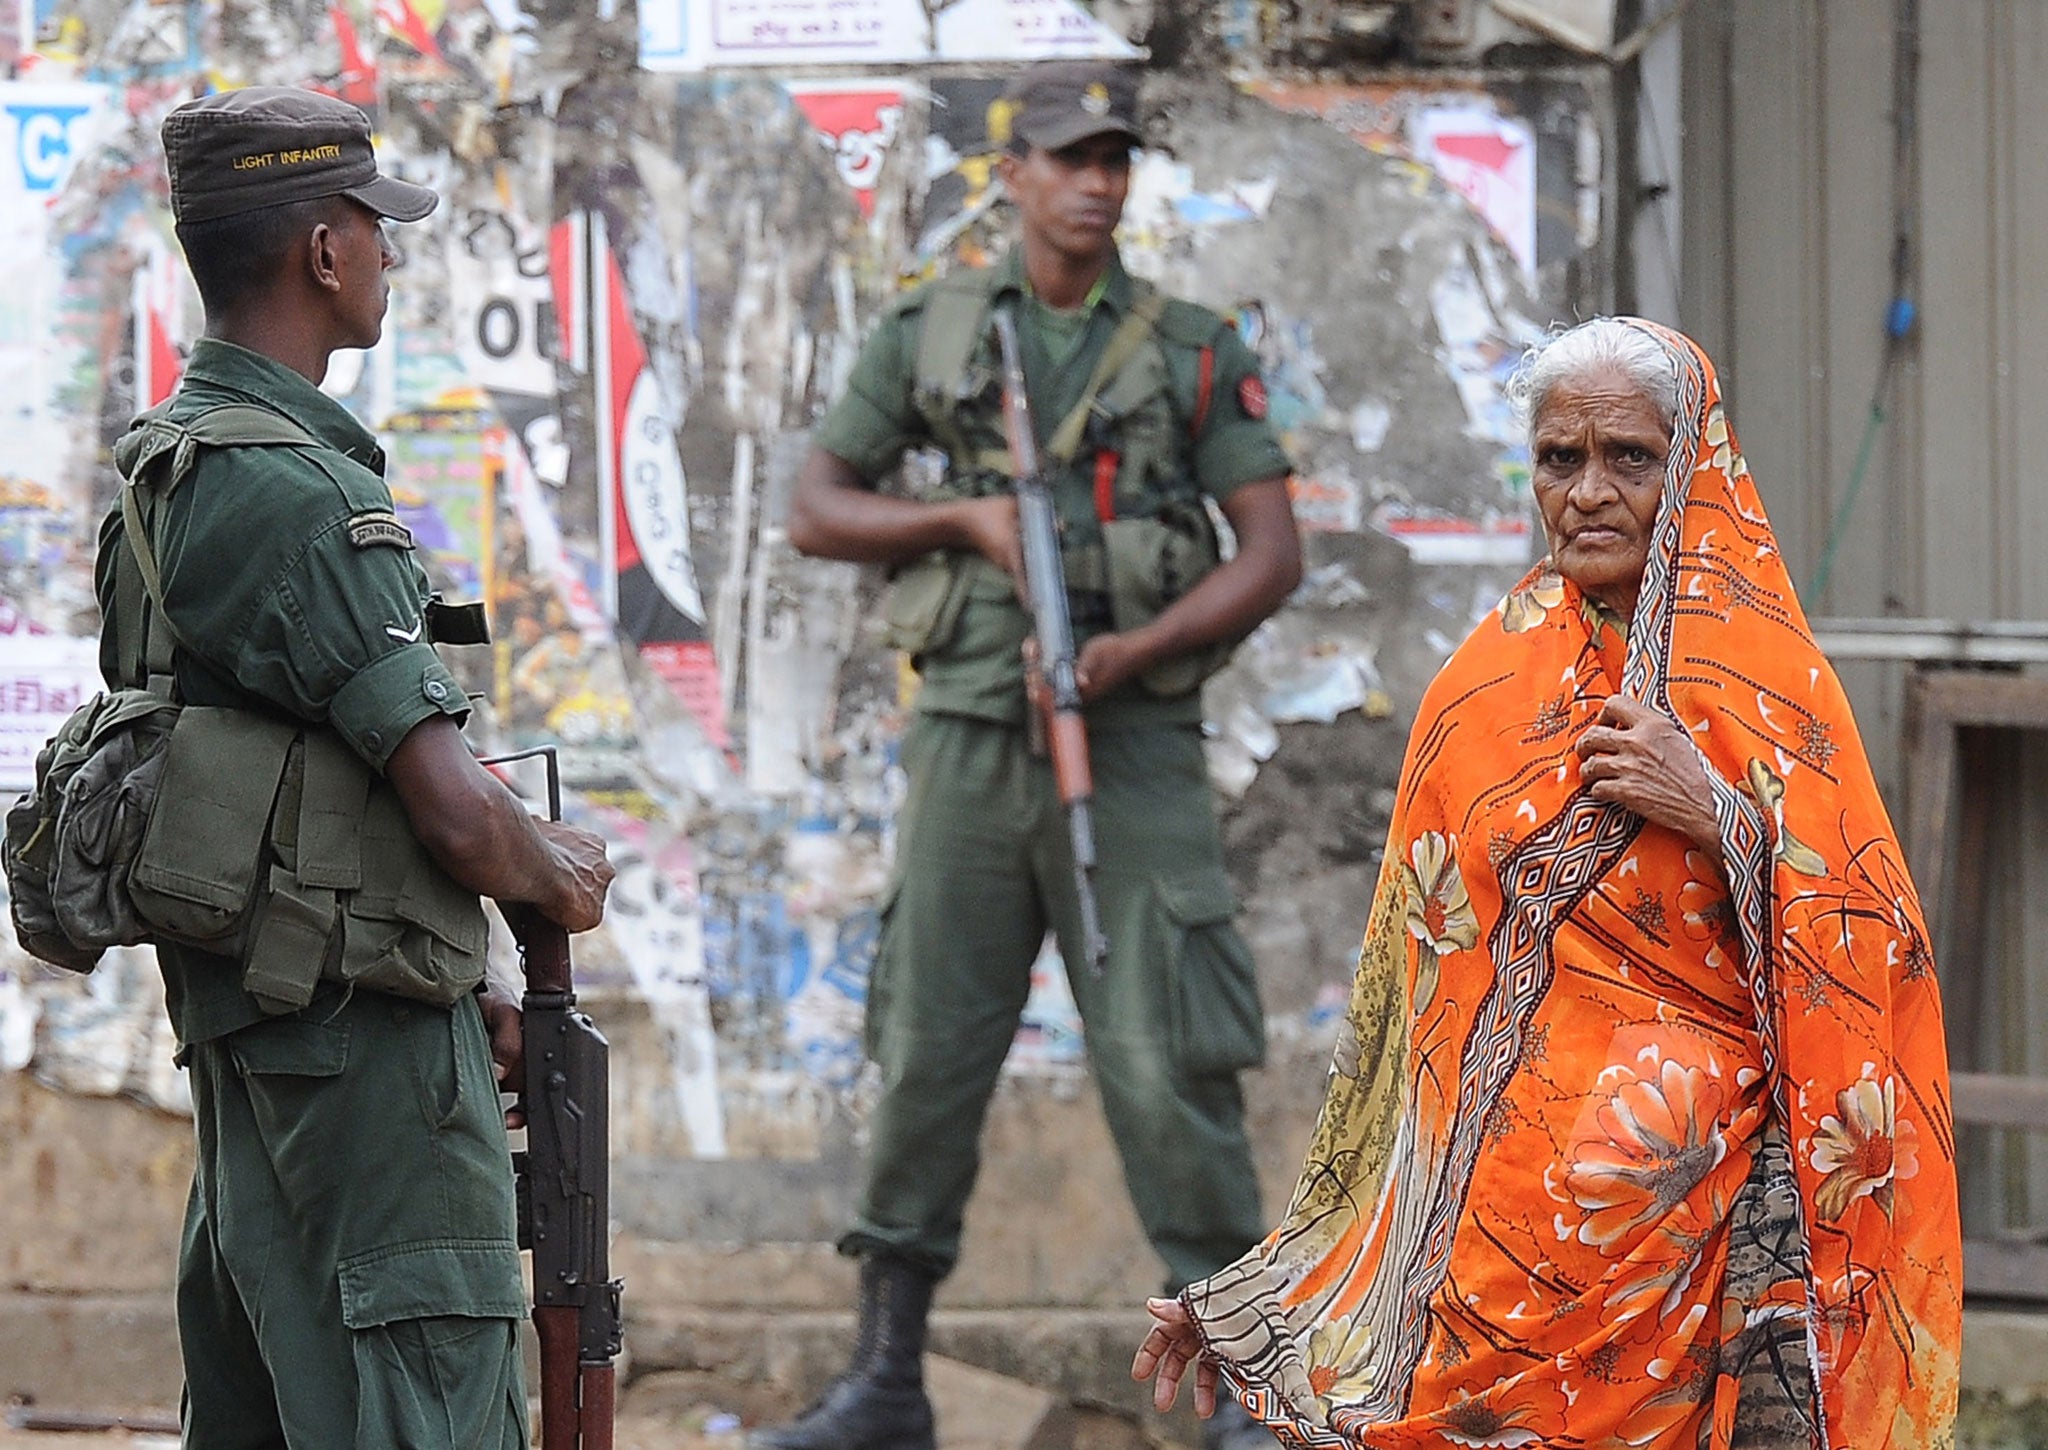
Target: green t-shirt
290,594
878,419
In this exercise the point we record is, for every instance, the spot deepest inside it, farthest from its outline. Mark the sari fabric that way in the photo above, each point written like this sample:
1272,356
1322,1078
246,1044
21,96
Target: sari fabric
1620,1148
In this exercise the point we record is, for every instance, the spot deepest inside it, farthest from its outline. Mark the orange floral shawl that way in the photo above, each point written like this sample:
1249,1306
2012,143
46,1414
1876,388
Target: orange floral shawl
1620,1149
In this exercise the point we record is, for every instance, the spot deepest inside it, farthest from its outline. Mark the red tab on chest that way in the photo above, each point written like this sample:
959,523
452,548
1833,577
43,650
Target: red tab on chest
1106,461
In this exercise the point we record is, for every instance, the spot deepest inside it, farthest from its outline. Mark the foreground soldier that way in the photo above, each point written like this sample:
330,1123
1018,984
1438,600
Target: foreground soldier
1165,411
349,1276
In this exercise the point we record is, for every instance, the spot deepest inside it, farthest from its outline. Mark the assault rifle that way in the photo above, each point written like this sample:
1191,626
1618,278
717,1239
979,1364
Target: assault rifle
1052,679
564,1179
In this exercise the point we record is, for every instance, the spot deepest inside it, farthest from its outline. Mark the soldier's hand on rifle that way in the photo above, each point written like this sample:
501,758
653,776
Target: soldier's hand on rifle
583,875
508,1043
989,527
1108,660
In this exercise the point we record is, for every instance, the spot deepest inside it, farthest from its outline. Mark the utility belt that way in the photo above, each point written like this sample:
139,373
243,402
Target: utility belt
276,846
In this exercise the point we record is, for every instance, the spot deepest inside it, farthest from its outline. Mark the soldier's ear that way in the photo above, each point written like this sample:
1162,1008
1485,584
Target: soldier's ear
323,256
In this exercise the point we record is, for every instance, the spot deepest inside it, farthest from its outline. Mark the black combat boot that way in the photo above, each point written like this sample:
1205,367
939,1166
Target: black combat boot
1230,1428
879,1402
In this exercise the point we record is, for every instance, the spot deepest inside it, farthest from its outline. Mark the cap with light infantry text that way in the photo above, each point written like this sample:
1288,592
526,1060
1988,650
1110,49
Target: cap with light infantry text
264,146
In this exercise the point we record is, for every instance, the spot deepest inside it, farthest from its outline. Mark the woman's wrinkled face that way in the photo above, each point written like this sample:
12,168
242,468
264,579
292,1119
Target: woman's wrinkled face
1600,446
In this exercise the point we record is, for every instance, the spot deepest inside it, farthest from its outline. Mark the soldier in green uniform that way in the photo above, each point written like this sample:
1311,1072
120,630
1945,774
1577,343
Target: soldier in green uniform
349,1278
1149,409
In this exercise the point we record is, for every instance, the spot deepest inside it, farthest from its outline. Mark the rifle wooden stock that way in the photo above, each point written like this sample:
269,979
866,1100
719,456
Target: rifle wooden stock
560,1418
544,952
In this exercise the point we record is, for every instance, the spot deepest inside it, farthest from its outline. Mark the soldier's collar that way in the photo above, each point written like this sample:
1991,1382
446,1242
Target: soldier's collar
1112,287
266,381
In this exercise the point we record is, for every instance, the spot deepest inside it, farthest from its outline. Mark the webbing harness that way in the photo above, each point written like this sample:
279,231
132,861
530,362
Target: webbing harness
954,322
147,482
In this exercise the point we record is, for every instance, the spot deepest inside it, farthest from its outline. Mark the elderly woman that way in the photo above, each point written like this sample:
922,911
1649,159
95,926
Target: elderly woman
1638,1132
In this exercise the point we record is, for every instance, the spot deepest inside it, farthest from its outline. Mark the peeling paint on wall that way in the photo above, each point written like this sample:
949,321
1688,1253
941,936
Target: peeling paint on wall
604,355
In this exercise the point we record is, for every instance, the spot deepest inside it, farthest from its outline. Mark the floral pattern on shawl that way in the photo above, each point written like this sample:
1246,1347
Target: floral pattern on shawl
1865,1151
1663,1124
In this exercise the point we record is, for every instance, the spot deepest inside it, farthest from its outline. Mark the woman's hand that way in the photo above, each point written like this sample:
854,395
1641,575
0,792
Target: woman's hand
1167,1351
1635,757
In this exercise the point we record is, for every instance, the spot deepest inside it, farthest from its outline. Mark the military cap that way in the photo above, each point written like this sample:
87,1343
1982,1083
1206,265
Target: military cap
1058,102
263,146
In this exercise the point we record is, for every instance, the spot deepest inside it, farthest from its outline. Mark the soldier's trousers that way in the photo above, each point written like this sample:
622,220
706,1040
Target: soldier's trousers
349,1279
983,867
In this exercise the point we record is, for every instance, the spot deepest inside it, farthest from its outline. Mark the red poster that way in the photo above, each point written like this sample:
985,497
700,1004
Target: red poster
858,122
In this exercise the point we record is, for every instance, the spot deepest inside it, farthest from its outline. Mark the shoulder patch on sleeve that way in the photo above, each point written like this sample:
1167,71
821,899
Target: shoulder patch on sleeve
378,527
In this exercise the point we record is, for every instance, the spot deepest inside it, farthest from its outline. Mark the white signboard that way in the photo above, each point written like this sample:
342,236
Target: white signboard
1489,159
45,130
43,678
698,35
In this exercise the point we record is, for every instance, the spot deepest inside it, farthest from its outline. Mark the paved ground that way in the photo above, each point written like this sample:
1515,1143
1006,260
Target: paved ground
976,1410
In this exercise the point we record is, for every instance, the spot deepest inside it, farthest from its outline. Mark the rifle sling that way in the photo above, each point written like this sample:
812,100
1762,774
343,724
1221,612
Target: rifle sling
1124,343
228,425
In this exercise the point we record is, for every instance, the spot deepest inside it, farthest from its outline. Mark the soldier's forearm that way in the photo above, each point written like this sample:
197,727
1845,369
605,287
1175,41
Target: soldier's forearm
471,823
834,515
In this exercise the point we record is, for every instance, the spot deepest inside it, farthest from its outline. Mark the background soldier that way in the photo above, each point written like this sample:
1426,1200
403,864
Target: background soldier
349,1275
1167,411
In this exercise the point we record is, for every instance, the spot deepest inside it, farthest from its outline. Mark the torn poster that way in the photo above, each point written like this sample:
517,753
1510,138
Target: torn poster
644,521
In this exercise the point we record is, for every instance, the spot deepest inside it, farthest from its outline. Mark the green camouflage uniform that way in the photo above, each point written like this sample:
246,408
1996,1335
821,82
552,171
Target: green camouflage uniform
983,860
349,1276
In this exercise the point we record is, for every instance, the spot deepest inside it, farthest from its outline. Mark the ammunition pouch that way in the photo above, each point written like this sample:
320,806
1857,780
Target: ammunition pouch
1151,562
71,840
1148,538
278,847
921,610
196,877
257,839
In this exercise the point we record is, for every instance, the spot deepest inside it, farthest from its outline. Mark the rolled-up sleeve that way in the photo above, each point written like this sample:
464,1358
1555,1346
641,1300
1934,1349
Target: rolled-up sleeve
342,639
1237,444
382,701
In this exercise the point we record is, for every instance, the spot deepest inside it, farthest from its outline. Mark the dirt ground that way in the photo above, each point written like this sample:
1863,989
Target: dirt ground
976,1410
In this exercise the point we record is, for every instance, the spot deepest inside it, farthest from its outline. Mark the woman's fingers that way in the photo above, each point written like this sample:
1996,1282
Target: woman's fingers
1621,711
1155,1347
1166,1352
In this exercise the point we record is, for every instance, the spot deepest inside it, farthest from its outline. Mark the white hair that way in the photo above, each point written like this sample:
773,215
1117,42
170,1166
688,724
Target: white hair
1604,344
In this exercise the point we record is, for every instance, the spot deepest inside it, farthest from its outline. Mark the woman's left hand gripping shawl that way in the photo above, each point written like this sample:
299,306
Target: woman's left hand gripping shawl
1619,1147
